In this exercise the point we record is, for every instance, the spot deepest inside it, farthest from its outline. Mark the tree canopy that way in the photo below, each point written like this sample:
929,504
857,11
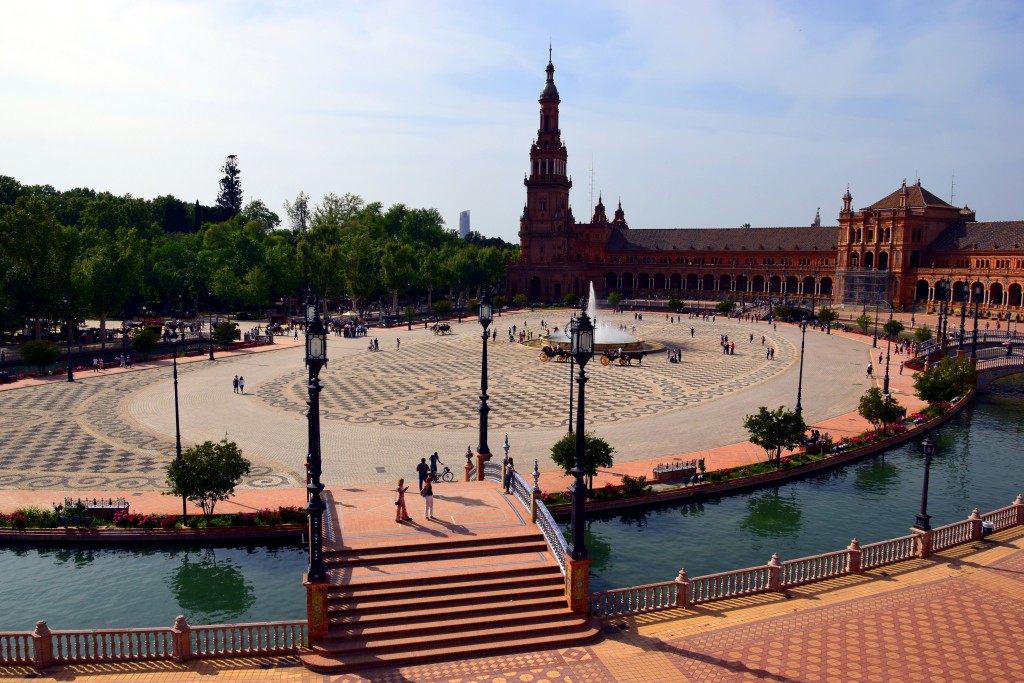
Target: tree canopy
207,473
775,430
880,410
596,453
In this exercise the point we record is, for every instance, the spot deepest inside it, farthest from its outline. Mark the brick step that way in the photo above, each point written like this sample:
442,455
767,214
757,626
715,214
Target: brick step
436,553
547,612
520,565
424,542
366,594
430,607
483,633
427,651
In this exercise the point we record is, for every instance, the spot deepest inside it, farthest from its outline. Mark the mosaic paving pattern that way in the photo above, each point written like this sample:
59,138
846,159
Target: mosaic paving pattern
435,383
75,435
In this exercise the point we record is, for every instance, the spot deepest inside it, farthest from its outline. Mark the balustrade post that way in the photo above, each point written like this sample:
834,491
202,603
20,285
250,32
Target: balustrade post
469,463
975,520
922,542
181,640
774,573
42,646
577,584
855,556
1018,504
316,609
682,589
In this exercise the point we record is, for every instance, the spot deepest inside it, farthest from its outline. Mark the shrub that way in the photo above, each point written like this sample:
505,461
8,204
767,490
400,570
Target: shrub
145,339
226,332
635,486
40,353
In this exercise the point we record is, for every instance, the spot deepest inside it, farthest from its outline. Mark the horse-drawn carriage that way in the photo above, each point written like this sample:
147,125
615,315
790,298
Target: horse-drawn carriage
556,352
621,357
441,328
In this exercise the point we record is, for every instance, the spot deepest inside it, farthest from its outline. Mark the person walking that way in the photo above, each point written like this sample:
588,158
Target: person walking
423,470
401,515
398,341
428,498
871,369
234,384
241,384
901,367
510,470
434,460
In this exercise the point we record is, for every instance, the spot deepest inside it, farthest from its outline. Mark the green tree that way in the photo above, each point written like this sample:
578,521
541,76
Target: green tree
207,474
922,334
32,258
112,271
864,322
827,315
226,333
673,304
145,340
775,430
570,300
614,298
893,328
40,353
944,381
519,300
596,453
725,306
780,311
880,410
229,198
298,213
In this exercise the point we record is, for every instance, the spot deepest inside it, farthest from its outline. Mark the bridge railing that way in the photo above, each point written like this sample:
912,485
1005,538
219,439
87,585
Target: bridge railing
524,493
778,576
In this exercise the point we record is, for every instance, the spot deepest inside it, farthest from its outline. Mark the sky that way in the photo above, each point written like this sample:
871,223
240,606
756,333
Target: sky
694,113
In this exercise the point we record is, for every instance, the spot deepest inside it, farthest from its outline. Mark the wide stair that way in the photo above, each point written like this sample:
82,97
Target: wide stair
449,598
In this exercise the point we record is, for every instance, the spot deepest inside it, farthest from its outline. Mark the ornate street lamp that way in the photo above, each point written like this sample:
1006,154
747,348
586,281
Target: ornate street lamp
888,348
177,432
874,339
923,517
977,291
963,319
316,358
67,321
582,351
210,313
941,291
572,363
483,452
800,377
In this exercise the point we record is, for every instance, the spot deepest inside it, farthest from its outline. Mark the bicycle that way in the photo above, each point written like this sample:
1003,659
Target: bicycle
444,475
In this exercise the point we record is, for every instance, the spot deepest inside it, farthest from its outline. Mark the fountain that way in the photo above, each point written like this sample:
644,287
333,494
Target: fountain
607,336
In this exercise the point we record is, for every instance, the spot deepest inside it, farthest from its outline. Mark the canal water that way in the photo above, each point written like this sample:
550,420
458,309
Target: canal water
134,587
978,463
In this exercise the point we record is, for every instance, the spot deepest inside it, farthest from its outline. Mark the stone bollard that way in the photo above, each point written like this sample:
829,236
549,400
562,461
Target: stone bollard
42,646
181,640
855,557
975,520
1019,505
922,542
774,573
682,589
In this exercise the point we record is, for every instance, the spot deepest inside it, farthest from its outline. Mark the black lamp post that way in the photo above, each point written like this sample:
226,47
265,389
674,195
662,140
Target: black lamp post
888,348
210,313
963,319
572,362
177,431
583,351
874,340
485,321
923,516
913,310
800,377
316,358
67,321
940,327
977,291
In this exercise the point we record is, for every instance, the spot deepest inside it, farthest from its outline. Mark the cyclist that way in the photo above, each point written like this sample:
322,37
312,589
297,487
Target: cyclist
434,460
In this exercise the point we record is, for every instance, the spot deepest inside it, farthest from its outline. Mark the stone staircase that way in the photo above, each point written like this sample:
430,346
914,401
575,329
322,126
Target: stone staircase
440,598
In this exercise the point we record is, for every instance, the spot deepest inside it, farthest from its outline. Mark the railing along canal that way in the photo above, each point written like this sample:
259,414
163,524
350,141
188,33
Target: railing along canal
527,496
42,647
777,576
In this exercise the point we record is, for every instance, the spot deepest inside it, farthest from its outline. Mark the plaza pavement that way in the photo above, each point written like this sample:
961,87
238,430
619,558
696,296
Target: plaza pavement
383,411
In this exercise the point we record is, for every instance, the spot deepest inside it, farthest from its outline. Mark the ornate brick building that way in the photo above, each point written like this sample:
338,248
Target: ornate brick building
894,251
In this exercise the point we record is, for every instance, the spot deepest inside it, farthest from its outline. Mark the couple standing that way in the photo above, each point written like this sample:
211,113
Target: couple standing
426,490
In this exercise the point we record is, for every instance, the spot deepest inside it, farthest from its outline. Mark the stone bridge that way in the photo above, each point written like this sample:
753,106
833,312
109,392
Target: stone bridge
990,369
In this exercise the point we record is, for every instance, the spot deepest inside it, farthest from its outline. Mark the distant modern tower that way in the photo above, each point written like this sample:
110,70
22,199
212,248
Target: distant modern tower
464,224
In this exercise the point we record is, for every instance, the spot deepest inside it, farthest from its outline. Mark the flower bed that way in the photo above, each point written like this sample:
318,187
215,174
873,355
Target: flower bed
38,518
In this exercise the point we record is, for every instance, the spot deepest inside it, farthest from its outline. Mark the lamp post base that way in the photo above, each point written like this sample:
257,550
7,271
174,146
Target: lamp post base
481,458
922,522
577,584
316,608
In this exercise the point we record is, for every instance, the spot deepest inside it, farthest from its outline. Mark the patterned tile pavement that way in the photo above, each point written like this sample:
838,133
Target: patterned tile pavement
958,616
384,410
